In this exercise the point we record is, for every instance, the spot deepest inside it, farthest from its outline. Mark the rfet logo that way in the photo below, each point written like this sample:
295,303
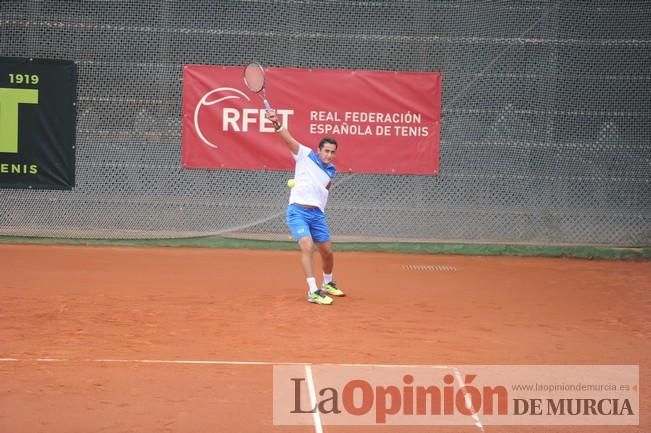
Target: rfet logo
225,124
225,107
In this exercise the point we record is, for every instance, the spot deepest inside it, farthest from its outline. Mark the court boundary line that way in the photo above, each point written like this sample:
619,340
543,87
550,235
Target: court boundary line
468,400
220,362
307,365
316,417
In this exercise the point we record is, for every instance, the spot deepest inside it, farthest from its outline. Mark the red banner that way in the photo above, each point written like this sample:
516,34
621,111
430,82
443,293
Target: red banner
384,122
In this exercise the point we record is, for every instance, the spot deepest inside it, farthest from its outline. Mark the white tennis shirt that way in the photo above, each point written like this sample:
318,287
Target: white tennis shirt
312,179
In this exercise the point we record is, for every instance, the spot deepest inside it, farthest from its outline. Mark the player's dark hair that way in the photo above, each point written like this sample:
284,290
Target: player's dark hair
327,140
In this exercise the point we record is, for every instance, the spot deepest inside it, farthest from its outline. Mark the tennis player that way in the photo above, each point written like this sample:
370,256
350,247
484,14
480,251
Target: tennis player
306,211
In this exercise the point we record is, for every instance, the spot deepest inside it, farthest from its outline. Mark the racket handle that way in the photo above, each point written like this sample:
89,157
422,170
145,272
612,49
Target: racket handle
268,107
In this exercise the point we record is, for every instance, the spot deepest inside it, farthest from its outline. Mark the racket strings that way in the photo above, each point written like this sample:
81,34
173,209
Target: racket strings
254,78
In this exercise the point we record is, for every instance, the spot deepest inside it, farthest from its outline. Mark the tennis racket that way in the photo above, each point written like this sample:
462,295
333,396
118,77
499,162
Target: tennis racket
254,80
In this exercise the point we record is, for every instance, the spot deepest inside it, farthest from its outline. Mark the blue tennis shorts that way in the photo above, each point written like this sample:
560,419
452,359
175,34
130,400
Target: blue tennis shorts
307,221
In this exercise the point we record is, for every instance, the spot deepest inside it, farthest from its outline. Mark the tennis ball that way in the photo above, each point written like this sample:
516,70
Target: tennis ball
291,183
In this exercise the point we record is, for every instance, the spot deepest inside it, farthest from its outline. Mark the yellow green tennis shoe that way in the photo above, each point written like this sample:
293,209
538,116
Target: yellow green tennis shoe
331,289
319,297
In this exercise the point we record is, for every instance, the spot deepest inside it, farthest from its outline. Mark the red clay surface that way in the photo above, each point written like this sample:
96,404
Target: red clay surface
79,305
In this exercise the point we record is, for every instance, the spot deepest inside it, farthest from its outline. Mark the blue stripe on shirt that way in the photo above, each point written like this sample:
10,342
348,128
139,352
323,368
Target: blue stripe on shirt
329,169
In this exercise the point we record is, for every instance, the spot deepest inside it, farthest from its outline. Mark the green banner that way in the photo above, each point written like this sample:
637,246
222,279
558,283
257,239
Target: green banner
37,123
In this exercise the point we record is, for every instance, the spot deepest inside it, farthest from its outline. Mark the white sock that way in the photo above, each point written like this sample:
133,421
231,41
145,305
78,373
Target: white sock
311,285
327,278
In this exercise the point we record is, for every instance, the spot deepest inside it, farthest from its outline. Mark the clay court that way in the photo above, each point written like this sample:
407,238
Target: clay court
148,280
108,339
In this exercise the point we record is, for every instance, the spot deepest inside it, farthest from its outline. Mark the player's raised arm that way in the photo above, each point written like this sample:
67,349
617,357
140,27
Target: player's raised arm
284,132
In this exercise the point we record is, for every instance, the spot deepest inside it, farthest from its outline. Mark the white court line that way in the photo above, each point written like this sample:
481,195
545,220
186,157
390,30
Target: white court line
310,390
218,362
33,360
468,400
308,371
